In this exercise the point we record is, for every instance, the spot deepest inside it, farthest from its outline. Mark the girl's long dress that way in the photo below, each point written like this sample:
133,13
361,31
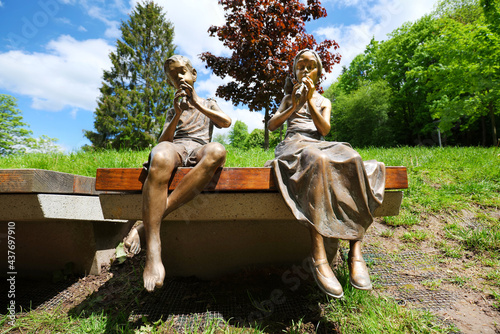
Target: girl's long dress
325,183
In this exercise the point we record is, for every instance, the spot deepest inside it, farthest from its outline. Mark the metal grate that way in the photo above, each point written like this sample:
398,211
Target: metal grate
407,271
31,294
190,302
431,300
58,299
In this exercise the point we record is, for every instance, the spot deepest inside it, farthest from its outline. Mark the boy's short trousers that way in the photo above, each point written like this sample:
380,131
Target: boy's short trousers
187,150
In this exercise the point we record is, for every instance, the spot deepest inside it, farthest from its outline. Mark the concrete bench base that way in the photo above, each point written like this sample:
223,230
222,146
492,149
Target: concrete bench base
220,233
208,249
54,230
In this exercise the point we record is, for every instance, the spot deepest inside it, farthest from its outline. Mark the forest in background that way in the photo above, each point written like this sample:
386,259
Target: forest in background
433,79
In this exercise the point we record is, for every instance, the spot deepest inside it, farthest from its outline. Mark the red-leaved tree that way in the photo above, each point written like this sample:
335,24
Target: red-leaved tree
265,36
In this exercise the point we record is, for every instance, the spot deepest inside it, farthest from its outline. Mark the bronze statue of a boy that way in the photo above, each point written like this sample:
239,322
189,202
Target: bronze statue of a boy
185,141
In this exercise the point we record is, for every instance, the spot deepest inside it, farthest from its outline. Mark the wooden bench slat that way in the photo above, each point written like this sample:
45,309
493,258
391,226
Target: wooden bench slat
44,181
396,177
225,179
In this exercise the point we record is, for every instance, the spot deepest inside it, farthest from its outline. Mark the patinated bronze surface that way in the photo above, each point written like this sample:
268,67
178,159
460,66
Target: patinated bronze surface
325,184
185,141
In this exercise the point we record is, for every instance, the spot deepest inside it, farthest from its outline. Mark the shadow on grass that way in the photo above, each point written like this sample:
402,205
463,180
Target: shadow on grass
271,299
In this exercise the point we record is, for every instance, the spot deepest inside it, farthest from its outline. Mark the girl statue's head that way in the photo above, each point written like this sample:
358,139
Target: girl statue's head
300,58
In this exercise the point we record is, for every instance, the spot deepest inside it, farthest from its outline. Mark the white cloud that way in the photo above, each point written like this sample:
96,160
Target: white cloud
1,4
64,20
209,86
73,113
377,19
82,28
68,74
113,27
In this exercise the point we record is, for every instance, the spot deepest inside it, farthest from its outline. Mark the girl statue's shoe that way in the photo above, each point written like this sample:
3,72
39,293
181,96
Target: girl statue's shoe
327,281
358,272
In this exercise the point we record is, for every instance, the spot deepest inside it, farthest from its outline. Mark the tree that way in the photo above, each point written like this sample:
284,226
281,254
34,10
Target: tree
463,82
443,67
463,11
14,135
409,117
221,138
361,117
134,95
12,128
238,134
491,10
255,139
265,36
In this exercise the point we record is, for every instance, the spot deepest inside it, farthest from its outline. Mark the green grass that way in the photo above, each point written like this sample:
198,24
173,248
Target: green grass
80,163
451,251
415,236
86,163
485,237
363,312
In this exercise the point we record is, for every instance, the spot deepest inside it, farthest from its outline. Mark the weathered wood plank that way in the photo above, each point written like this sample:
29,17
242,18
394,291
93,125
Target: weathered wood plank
45,181
396,177
226,179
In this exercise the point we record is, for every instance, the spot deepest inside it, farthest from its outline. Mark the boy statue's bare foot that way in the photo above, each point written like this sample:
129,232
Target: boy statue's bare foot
134,239
154,274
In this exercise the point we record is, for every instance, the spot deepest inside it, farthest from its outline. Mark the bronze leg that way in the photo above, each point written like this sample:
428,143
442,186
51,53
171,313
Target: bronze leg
156,205
164,159
358,271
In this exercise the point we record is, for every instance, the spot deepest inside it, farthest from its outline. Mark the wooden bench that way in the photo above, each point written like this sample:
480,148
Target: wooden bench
239,220
58,223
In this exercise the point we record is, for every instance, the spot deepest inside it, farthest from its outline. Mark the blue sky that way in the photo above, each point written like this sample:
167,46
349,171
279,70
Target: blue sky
53,52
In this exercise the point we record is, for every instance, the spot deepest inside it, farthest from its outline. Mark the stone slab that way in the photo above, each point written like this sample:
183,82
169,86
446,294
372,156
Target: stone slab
53,230
29,207
44,247
220,233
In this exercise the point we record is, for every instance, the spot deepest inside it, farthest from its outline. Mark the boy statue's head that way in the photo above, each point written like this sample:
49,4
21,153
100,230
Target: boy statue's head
179,69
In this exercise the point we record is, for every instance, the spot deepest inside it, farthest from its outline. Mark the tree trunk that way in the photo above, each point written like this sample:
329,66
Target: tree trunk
483,130
493,124
266,130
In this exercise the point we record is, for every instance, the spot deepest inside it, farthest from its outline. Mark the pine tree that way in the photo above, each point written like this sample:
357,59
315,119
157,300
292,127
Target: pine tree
15,137
134,94
13,130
